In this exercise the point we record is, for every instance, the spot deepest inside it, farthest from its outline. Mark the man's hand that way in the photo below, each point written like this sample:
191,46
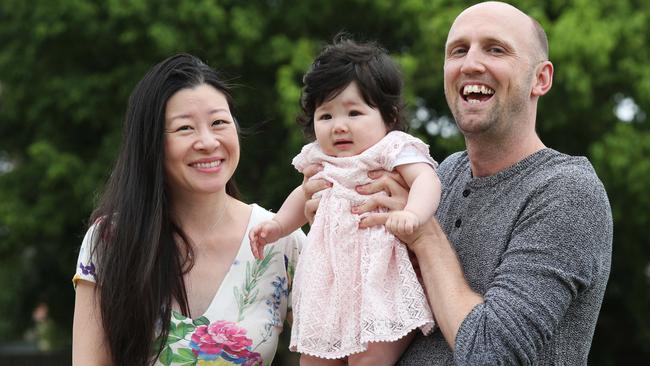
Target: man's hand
427,233
397,194
267,232
310,187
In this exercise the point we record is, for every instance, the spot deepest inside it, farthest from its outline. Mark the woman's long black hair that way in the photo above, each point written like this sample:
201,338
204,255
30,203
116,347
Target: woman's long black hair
140,264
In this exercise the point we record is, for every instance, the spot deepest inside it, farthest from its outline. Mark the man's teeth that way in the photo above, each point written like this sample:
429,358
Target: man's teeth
468,89
212,164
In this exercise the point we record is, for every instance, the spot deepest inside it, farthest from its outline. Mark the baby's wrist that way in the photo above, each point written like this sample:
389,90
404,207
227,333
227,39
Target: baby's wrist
280,226
413,214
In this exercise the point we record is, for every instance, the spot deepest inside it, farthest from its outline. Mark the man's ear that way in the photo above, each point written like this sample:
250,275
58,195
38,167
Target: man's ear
543,79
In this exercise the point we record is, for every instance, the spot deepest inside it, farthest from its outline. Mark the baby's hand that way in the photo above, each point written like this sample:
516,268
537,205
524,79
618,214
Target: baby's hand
267,232
402,222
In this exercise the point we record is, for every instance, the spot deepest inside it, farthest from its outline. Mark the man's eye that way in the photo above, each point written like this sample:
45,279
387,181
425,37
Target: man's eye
458,51
497,50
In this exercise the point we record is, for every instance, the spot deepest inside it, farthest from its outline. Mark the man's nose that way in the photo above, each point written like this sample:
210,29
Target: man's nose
473,62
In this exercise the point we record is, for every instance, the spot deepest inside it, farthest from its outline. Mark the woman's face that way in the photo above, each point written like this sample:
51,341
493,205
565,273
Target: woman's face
201,142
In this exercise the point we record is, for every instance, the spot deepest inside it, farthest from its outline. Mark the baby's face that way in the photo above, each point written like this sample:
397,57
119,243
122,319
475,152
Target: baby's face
346,125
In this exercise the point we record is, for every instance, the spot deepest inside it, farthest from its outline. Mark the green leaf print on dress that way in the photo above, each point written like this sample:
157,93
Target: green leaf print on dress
248,292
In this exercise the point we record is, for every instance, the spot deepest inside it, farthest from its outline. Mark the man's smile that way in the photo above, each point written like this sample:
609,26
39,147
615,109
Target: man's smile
476,93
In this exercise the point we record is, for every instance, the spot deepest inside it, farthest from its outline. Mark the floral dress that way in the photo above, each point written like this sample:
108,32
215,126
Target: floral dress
242,324
355,286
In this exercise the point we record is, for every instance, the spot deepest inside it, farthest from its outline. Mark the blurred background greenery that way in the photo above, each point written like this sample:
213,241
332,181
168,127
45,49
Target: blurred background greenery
68,66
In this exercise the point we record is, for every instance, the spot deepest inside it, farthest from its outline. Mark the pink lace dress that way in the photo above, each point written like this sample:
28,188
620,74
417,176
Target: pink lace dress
354,286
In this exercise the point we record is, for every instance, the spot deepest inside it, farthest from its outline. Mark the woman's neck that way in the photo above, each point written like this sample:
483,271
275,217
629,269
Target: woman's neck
202,212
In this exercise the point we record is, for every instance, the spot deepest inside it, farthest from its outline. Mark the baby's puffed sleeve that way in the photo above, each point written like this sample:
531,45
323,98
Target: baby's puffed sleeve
402,148
86,269
305,157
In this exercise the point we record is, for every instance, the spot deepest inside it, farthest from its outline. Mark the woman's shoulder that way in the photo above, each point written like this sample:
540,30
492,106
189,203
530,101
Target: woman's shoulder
87,259
259,214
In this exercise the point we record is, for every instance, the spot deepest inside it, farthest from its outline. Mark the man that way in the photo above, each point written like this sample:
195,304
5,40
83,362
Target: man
516,264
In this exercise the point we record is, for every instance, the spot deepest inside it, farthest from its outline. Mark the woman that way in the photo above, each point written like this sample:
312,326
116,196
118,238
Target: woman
165,274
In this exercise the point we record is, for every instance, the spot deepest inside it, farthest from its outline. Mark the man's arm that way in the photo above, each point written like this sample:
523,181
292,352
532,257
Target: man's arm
449,294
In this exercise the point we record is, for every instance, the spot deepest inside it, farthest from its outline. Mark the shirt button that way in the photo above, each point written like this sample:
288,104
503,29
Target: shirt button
457,223
466,193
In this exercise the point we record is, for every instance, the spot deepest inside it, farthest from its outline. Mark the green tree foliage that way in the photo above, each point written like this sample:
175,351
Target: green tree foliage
621,159
67,68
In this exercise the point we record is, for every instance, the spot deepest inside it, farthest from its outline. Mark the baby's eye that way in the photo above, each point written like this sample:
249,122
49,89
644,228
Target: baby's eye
324,116
355,113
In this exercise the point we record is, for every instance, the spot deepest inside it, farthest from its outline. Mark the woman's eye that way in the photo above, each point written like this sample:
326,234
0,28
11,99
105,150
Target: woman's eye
219,122
184,128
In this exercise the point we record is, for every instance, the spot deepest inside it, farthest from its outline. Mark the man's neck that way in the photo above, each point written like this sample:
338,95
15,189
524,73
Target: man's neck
489,158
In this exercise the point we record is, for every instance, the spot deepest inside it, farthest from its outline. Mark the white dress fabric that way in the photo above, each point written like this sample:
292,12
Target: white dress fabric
242,324
355,286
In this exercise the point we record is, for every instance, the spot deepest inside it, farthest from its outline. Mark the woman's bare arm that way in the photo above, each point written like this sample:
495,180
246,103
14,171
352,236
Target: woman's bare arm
88,340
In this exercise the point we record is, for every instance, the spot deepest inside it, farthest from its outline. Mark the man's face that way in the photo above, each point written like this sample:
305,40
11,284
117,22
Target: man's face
488,68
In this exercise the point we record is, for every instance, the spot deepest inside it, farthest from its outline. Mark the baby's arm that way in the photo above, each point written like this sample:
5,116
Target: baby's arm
423,199
289,218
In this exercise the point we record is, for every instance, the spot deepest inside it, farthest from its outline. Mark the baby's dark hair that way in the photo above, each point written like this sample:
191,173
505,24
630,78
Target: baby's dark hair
344,61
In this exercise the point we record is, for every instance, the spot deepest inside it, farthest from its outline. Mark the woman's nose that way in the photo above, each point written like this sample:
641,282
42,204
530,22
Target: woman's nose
206,140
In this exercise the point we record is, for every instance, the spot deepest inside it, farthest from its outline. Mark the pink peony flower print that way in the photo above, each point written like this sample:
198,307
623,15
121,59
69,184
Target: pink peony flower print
224,339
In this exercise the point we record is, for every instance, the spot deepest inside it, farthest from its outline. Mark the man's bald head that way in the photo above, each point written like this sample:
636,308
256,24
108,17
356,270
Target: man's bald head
542,40
504,12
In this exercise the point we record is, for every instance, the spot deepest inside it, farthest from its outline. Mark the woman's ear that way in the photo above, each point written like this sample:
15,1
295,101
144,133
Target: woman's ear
543,79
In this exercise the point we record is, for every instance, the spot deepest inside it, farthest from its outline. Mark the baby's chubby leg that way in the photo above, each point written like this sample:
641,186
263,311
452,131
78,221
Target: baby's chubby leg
382,353
306,360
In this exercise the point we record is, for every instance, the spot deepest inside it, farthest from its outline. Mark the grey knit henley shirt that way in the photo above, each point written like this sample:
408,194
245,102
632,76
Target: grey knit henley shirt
535,240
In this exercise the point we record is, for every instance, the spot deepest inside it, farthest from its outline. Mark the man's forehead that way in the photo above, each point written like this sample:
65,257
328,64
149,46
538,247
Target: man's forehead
493,8
491,20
